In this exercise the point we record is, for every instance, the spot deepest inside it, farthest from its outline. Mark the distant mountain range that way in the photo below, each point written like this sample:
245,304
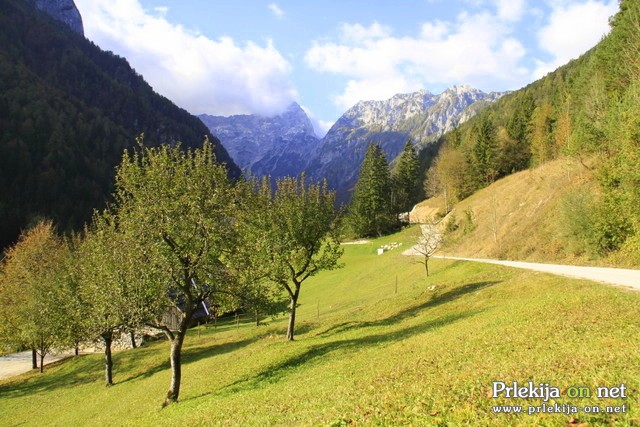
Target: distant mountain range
277,146
286,145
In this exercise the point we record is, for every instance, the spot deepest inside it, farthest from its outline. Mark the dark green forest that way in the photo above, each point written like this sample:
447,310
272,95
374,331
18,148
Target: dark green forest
67,112
588,109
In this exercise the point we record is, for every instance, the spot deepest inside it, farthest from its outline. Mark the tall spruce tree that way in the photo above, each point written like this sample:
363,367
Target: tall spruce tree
485,151
406,179
371,210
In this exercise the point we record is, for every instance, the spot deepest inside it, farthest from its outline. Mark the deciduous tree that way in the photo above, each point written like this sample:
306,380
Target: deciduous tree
182,208
35,296
118,292
300,220
428,242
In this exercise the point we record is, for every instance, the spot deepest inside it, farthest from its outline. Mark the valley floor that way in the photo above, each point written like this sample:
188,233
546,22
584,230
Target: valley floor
378,343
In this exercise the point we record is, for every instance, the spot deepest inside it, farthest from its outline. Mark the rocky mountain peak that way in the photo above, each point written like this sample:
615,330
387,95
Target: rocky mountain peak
277,146
420,116
295,118
64,11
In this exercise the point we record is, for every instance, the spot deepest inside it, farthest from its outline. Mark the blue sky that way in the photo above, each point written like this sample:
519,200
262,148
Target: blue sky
241,57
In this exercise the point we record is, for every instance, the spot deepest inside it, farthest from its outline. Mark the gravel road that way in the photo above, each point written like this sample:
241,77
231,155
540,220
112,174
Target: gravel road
614,276
19,363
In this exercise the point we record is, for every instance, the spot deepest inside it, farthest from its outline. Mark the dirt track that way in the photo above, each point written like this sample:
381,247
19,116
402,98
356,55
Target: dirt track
19,363
614,276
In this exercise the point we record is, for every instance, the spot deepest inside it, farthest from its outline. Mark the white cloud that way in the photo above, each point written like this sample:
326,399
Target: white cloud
573,28
320,127
199,74
477,49
511,10
506,10
275,9
162,10
358,33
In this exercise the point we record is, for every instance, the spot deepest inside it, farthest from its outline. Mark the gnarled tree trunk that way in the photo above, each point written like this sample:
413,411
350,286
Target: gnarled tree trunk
292,314
108,361
177,340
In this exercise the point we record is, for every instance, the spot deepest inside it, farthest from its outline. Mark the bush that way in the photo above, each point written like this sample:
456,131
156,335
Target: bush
578,222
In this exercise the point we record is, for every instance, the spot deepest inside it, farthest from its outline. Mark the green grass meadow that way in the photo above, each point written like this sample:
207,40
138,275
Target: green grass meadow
368,353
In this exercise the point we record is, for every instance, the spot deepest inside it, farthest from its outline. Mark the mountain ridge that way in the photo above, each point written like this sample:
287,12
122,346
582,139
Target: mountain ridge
266,145
285,144
64,11
419,116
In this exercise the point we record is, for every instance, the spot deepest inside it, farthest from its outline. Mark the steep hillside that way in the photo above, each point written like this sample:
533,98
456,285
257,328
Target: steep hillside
529,216
277,146
586,109
67,112
420,116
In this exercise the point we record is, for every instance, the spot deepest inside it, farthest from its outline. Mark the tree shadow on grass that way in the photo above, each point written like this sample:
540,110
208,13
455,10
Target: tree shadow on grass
192,355
434,301
276,372
84,369
78,370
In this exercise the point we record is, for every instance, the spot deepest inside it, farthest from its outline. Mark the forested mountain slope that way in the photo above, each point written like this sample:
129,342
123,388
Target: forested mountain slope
588,109
67,112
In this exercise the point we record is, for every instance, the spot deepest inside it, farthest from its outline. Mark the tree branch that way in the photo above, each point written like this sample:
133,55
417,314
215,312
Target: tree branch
162,328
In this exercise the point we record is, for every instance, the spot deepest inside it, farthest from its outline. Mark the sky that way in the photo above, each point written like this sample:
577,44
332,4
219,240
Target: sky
256,57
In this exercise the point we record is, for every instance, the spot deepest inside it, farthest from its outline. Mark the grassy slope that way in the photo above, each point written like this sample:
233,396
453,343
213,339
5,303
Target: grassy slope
525,209
418,357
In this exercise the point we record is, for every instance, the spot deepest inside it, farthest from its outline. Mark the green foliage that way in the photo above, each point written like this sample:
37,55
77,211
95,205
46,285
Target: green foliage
298,240
484,151
452,224
37,299
406,179
469,221
373,357
248,263
578,221
118,293
587,109
371,211
180,208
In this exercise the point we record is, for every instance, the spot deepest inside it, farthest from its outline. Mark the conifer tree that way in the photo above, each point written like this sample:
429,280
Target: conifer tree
484,153
371,210
407,179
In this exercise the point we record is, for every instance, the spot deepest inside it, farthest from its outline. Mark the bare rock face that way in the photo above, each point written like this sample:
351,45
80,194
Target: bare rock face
64,11
420,116
277,146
